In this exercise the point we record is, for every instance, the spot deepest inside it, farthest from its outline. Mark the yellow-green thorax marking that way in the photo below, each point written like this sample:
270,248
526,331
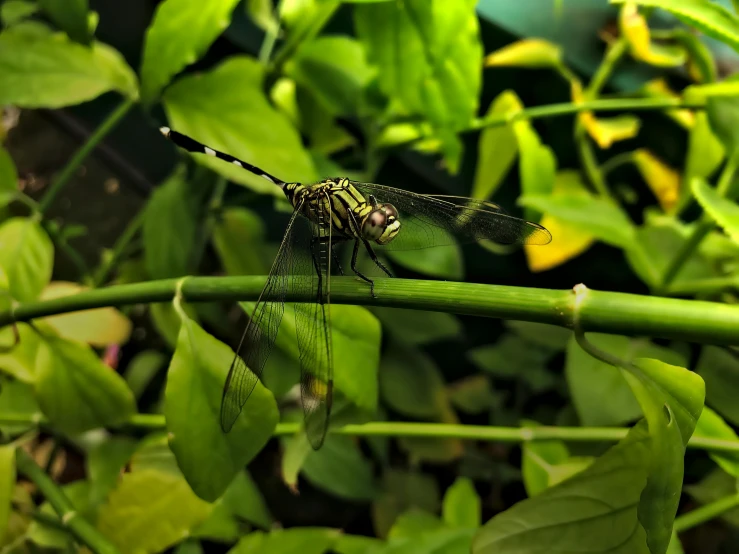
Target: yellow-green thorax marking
350,213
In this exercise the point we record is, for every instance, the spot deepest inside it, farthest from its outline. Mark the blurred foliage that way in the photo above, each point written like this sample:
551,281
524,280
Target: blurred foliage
340,88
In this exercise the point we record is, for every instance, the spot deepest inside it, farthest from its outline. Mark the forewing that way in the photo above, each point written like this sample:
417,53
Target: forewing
430,220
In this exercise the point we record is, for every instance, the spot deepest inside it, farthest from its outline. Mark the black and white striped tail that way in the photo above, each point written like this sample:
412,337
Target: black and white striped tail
191,145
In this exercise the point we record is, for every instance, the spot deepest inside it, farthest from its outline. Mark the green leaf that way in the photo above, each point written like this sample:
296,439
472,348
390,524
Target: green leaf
77,391
473,394
262,12
334,69
7,483
170,228
723,116
15,11
429,56
552,337
26,255
594,511
52,536
712,426
181,32
510,357
305,540
599,392
443,262
209,458
675,546
238,238
596,216
717,485
340,468
45,70
105,464
153,453
189,546
20,361
8,178
17,397
253,131
537,165
141,370
538,460
167,322
402,490
357,544
497,148
419,327
722,210
461,506
70,16
708,17
415,523
719,368
158,502
705,152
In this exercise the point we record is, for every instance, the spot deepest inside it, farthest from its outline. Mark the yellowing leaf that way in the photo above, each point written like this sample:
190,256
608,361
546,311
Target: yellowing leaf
97,327
634,28
531,53
658,88
661,178
605,131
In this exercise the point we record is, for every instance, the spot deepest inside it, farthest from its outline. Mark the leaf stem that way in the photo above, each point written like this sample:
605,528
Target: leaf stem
705,513
79,157
69,518
119,248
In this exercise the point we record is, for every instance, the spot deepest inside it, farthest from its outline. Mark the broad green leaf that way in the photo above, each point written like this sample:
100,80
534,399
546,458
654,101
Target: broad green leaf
497,147
722,210
209,458
719,368
15,11
340,469
473,394
675,546
150,511
189,546
20,361
153,453
531,53
723,116
417,326
461,505
663,181
334,69
510,357
97,327
414,523
8,177
401,491
16,397
141,370
70,16
105,464
443,262
76,390
47,70
710,18
448,541
170,228
411,384
7,484
238,238
712,426
253,131
538,461
429,56
552,337
181,32
537,165
167,322
599,392
357,544
705,152
296,450
594,511
26,255
597,216
305,540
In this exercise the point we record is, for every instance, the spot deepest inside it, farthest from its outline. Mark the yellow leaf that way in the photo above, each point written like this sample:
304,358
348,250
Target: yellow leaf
532,53
658,88
661,178
634,28
97,327
605,131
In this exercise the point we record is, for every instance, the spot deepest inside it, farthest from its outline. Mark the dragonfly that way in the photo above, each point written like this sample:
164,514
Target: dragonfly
325,214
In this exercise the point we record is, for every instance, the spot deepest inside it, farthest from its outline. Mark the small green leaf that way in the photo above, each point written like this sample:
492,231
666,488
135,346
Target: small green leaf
20,361
45,70
76,390
8,177
7,483
26,256
189,546
461,506
16,397
550,336
105,464
238,238
401,491
334,69
722,210
719,368
141,370
723,116
282,541
181,32
497,148
158,502
705,152
537,165
712,426
414,523
15,11
339,468
253,131
538,460
70,16
357,544
209,458
419,327
510,357
443,262
262,12
473,394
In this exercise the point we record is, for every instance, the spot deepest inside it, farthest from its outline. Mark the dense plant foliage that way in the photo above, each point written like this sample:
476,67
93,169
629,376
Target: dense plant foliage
418,438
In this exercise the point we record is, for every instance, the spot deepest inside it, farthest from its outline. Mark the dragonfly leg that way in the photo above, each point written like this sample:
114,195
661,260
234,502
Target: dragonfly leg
357,272
378,263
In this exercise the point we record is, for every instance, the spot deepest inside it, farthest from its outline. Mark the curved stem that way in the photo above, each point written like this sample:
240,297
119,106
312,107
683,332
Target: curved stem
69,518
119,248
79,157
605,312
705,513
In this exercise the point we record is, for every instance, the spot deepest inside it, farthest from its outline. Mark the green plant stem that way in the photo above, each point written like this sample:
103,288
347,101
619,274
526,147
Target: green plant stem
613,55
79,527
605,312
711,285
79,157
214,205
705,513
119,248
590,162
61,243
704,226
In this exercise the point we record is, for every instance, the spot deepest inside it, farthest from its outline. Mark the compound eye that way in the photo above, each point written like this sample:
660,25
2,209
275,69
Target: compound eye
374,225
390,211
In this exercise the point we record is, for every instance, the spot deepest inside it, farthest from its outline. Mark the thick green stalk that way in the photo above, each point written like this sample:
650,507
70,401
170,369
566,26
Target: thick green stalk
79,157
69,518
605,312
705,513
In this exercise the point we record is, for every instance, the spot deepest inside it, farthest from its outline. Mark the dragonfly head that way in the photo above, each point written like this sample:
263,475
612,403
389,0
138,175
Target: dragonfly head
382,224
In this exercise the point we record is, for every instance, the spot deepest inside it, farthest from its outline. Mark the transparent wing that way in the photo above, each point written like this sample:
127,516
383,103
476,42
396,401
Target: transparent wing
313,326
431,220
261,330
